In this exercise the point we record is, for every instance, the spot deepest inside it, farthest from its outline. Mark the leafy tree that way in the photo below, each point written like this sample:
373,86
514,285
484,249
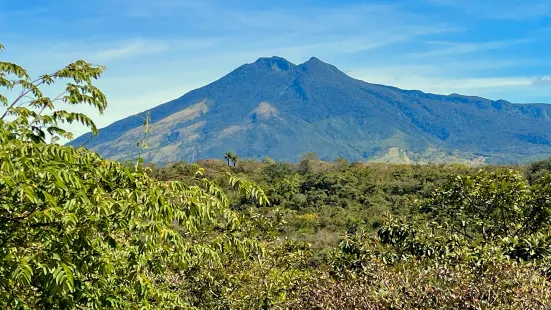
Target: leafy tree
32,115
268,160
428,285
489,206
478,218
308,162
539,169
342,163
278,171
228,156
235,159
78,231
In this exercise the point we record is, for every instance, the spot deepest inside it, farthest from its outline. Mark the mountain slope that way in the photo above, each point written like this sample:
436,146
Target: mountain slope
277,109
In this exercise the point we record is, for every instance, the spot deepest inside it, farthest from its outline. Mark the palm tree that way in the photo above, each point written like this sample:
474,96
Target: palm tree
234,159
231,156
228,157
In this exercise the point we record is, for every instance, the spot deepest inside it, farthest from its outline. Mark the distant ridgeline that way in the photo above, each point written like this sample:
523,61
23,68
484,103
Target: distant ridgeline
280,110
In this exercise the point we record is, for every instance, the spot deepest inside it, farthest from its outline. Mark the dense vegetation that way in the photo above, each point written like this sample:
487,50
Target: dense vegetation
81,232
384,236
322,200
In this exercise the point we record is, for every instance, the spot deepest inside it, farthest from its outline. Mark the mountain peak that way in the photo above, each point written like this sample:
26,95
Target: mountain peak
315,60
319,67
275,63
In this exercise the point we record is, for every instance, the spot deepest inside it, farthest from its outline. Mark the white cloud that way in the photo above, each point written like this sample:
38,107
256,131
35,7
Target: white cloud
441,85
436,78
134,48
542,81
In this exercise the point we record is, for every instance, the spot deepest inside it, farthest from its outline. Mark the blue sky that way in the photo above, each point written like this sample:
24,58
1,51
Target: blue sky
157,50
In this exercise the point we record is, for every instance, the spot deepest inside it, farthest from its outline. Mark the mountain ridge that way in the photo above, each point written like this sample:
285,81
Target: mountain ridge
321,109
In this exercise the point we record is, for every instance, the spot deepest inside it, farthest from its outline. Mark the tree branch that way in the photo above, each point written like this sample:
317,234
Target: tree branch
23,94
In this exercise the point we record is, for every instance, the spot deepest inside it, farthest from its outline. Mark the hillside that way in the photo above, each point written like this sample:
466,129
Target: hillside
281,110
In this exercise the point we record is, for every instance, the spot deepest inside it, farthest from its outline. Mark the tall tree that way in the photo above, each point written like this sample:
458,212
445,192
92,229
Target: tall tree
234,159
228,157
78,231
231,157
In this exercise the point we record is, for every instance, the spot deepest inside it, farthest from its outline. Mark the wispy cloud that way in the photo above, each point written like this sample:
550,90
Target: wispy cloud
542,81
457,48
514,89
130,49
443,68
453,77
501,9
443,85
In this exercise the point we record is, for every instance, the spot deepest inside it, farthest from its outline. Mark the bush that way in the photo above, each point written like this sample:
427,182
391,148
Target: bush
430,285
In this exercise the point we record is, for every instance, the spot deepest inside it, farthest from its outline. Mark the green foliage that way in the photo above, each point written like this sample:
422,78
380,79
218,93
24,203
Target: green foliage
32,114
481,243
489,206
278,171
78,231
415,237
430,285
86,231
268,160
309,162
265,279
539,169
340,194
470,215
